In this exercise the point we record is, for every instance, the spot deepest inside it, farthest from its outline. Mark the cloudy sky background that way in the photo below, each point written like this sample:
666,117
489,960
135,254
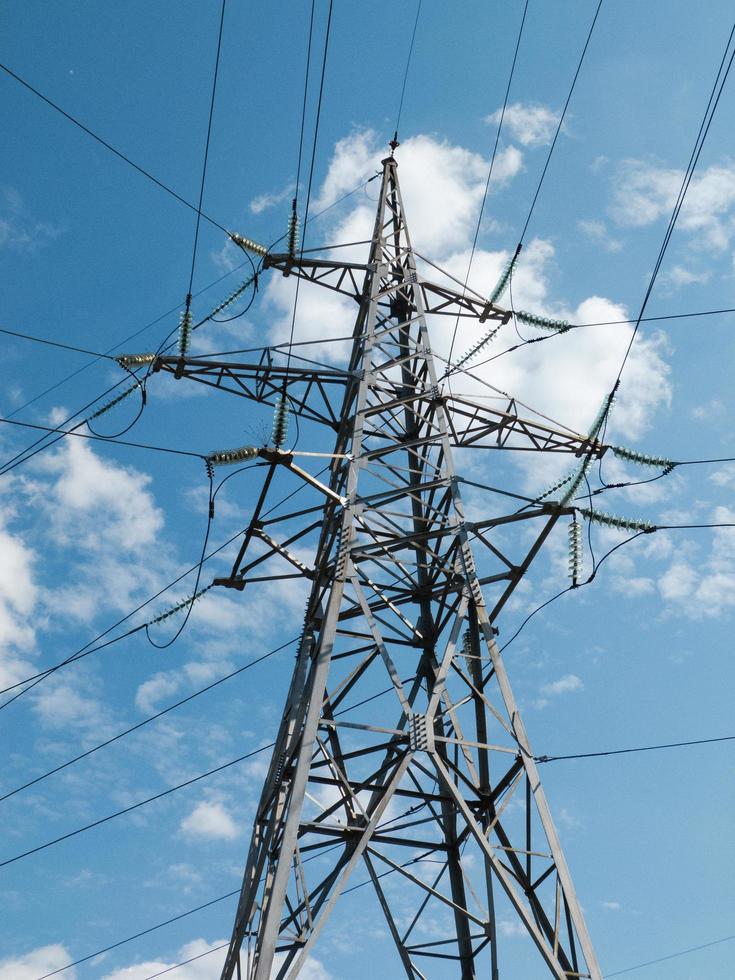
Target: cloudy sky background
92,252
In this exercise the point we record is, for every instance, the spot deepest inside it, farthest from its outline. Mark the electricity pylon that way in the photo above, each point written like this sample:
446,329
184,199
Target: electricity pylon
434,771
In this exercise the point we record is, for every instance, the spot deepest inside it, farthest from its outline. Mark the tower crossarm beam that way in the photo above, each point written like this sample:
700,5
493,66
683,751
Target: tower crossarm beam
314,393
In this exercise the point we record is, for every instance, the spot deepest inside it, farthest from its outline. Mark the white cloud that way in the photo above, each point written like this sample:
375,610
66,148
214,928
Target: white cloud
264,201
598,233
18,596
613,906
312,970
208,967
19,229
531,124
645,193
680,276
701,587
565,685
37,963
210,820
159,686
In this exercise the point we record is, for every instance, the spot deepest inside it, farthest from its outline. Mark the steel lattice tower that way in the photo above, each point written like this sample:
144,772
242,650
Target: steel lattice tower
438,763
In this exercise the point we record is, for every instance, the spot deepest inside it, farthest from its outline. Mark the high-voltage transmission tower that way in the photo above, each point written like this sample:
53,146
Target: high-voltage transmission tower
401,753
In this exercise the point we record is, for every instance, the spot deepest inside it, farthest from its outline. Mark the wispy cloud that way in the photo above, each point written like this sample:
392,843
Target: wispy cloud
531,124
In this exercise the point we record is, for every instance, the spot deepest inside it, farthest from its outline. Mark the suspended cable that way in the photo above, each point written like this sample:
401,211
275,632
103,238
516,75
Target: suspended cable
406,70
311,174
490,172
134,806
671,956
640,748
143,932
147,721
560,124
52,343
88,649
713,102
95,438
191,959
109,146
206,155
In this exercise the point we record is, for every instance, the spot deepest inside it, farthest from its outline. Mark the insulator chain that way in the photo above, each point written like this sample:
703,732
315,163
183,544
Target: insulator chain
247,244
225,457
292,235
543,322
483,342
502,283
280,422
189,601
575,552
633,456
185,331
619,523
115,401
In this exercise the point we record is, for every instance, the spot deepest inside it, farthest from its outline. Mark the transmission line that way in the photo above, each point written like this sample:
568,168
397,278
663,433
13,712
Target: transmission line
147,721
406,70
672,956
639,748
134,806
109,146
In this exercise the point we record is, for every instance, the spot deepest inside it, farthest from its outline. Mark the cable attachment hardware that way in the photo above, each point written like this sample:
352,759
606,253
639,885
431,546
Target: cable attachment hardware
134,360
502,283
542,322
247,244
575,552
633,456
280,422
292,236
619,523
226,456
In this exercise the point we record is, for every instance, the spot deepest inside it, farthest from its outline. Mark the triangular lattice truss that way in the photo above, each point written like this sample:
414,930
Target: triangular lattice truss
401,747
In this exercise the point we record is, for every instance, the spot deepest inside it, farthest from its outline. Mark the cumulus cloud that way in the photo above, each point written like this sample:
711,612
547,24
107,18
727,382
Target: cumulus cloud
566,684
39,962
210,820
645,192
530,123
208,967
18,597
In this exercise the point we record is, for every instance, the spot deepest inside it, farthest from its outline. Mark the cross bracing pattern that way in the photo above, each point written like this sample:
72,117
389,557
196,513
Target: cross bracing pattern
401,747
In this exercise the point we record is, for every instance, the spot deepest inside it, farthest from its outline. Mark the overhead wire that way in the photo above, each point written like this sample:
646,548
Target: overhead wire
311,174
147,721
490,171
143,932
560,124
406,70
671,956
135,806
109,146
638,748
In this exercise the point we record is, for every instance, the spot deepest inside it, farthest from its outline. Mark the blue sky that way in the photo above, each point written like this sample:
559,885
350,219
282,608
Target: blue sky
92,252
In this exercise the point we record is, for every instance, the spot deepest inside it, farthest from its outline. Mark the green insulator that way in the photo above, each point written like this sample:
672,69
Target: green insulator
542,322
185,331
280,422
505,277
225,457
482,343
189,601
233,296
619,523
633,456
115,401
292,235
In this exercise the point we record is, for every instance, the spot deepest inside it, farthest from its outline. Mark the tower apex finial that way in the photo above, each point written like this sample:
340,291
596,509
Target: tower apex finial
394,144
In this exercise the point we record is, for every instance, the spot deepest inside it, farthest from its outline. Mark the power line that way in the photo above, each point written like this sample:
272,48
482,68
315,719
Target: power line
408,65
311,173
95,438
191,959
639,748
206,150
672,956
134,806
561,121
147,721
109,146
84,651
143,932
52,343
490,172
